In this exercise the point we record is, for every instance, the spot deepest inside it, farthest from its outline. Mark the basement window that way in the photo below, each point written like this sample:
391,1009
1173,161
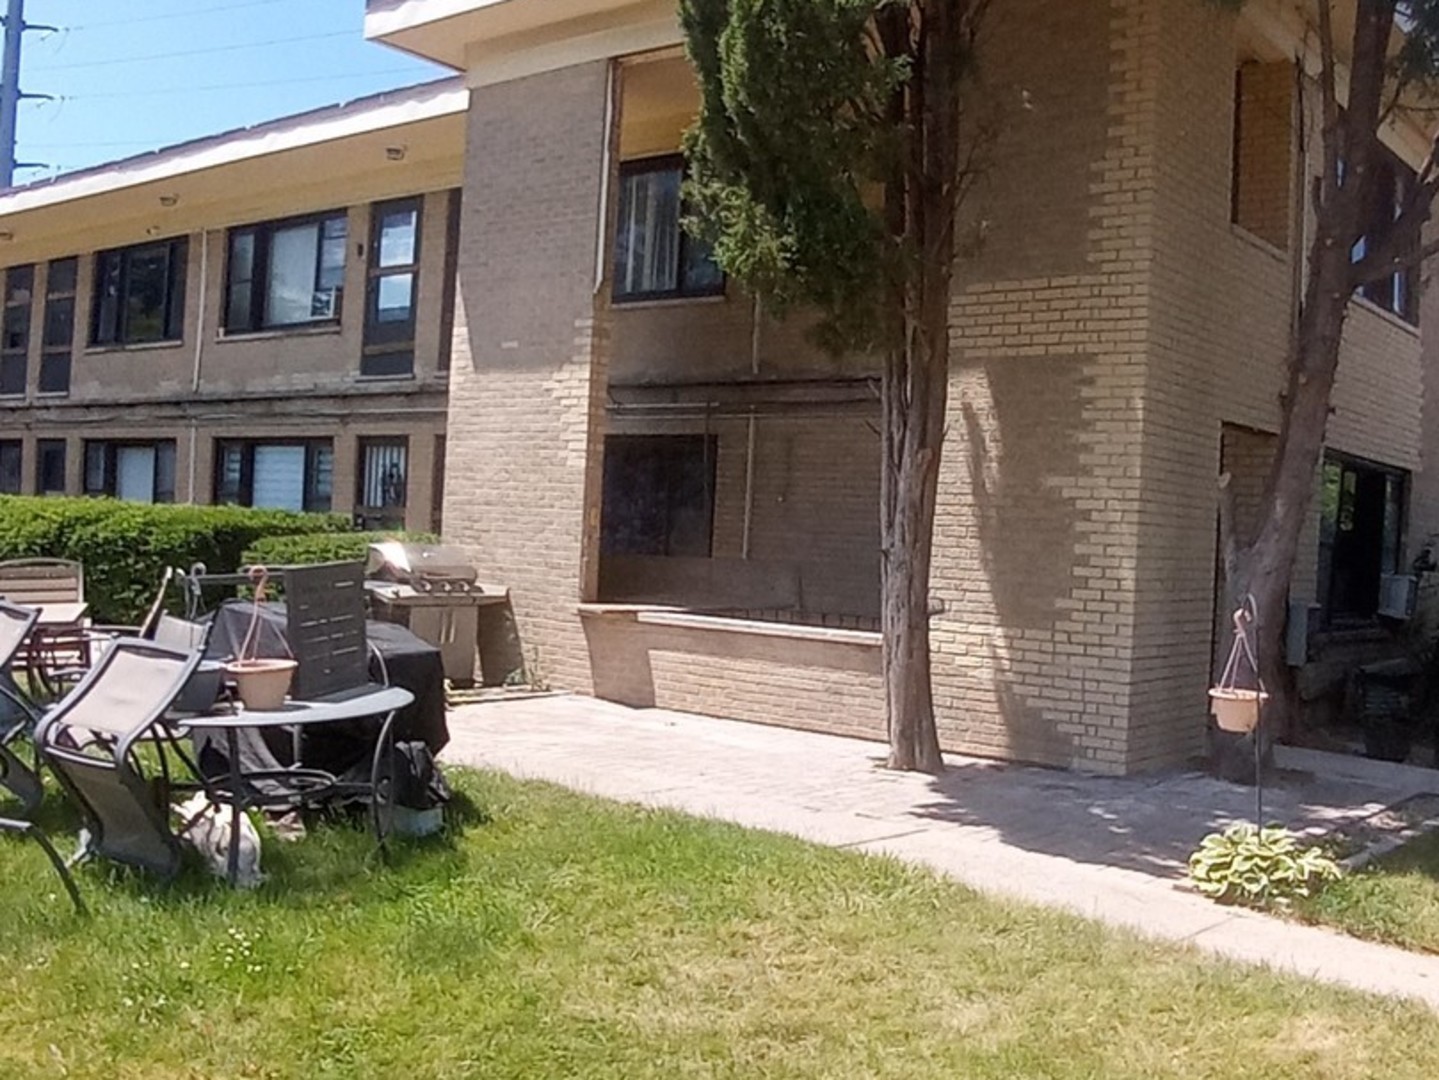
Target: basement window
655,259
285,274
383,482
280,475
142,472
50,466
659,495
140,294
1361,535
11,462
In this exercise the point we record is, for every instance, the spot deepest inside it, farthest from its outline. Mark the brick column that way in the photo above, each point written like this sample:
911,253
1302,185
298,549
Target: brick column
528,382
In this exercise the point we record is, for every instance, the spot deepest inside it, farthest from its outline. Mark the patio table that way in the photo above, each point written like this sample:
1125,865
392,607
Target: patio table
246,789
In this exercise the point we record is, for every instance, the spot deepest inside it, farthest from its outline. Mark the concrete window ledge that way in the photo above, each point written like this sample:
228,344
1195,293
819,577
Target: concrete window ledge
679,618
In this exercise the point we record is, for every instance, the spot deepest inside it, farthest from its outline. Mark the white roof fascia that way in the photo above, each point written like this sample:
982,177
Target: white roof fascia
275,137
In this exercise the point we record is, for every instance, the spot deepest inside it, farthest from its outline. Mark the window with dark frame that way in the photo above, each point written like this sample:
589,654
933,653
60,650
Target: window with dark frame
1395,293
15,330
437,487
12,458
1361,535
382,486
393,289
1262,164
276,474
655,258
132,471
286,274
58,341
140,294
50,466
659,495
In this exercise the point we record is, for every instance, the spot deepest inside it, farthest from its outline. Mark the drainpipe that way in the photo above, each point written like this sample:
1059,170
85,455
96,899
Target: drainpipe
200,307
606,166
199,354
757,314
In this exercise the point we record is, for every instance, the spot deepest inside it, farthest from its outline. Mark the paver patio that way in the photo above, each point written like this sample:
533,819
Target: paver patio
1112,849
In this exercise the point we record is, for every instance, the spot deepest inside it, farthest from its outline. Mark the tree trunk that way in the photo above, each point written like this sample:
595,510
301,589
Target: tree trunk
1264,568
910,486
921,207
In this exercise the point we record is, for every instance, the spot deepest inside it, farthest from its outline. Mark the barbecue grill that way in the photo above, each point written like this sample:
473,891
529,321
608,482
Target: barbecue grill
434,590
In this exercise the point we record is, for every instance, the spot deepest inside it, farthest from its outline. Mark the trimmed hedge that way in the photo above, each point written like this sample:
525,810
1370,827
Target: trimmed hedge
310,549
125,547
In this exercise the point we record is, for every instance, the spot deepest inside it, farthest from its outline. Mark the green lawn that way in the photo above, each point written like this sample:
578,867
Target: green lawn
1394,900
559,936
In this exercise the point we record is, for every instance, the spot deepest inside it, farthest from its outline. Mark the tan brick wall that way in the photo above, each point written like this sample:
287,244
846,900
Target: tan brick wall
1221,308
1114,322
820,682
528,379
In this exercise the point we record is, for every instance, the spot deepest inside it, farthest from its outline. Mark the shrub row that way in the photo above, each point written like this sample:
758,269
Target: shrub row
306,550
125,547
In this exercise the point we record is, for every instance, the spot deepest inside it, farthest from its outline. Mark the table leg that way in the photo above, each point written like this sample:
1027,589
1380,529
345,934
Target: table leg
232,743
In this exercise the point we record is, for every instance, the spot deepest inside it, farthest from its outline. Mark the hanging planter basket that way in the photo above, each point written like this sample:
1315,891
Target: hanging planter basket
1236,711
262,683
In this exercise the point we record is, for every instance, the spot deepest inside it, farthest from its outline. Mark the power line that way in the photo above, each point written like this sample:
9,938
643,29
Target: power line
178,14
166,91
198,52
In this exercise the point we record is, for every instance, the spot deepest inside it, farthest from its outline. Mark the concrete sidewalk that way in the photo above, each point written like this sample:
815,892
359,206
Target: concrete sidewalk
1109,849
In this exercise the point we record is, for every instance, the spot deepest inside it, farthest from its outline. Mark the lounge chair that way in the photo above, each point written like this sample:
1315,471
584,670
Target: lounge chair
90,741
18,713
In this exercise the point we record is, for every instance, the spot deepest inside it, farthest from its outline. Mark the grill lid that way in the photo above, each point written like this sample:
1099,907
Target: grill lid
428,567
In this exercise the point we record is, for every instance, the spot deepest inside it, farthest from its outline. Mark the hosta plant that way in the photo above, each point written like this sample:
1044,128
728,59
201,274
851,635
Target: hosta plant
1259,867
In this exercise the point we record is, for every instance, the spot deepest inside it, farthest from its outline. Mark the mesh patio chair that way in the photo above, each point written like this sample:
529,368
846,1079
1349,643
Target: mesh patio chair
90,742
18,713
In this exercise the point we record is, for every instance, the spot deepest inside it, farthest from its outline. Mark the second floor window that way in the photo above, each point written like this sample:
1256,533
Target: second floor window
393,293
140,294
59,337
655,259
1395,293
286,273
15,330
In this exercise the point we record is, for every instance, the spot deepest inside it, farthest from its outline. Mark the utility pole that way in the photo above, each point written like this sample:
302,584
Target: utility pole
10,93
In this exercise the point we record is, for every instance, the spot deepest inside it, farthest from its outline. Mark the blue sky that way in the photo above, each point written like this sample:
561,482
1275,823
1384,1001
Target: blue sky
133,75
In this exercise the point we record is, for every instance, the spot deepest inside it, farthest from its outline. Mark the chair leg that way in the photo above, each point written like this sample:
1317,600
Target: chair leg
23,782
33,831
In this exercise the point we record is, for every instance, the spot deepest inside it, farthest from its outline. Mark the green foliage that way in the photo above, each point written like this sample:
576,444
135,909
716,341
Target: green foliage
792,144
312,548
1257,868
125,547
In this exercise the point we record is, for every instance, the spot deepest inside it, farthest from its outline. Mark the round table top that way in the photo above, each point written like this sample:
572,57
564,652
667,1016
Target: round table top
356,706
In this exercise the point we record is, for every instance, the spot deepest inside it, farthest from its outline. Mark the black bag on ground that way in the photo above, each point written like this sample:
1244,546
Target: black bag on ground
419,783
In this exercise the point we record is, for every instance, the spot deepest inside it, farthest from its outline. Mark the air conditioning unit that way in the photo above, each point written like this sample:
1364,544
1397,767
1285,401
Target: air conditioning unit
1397,593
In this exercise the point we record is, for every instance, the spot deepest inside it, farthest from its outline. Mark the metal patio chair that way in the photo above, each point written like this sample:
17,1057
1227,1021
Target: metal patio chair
90,741
42,581
18,712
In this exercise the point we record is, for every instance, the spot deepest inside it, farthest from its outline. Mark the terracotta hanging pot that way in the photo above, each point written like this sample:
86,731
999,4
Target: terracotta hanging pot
1236,710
